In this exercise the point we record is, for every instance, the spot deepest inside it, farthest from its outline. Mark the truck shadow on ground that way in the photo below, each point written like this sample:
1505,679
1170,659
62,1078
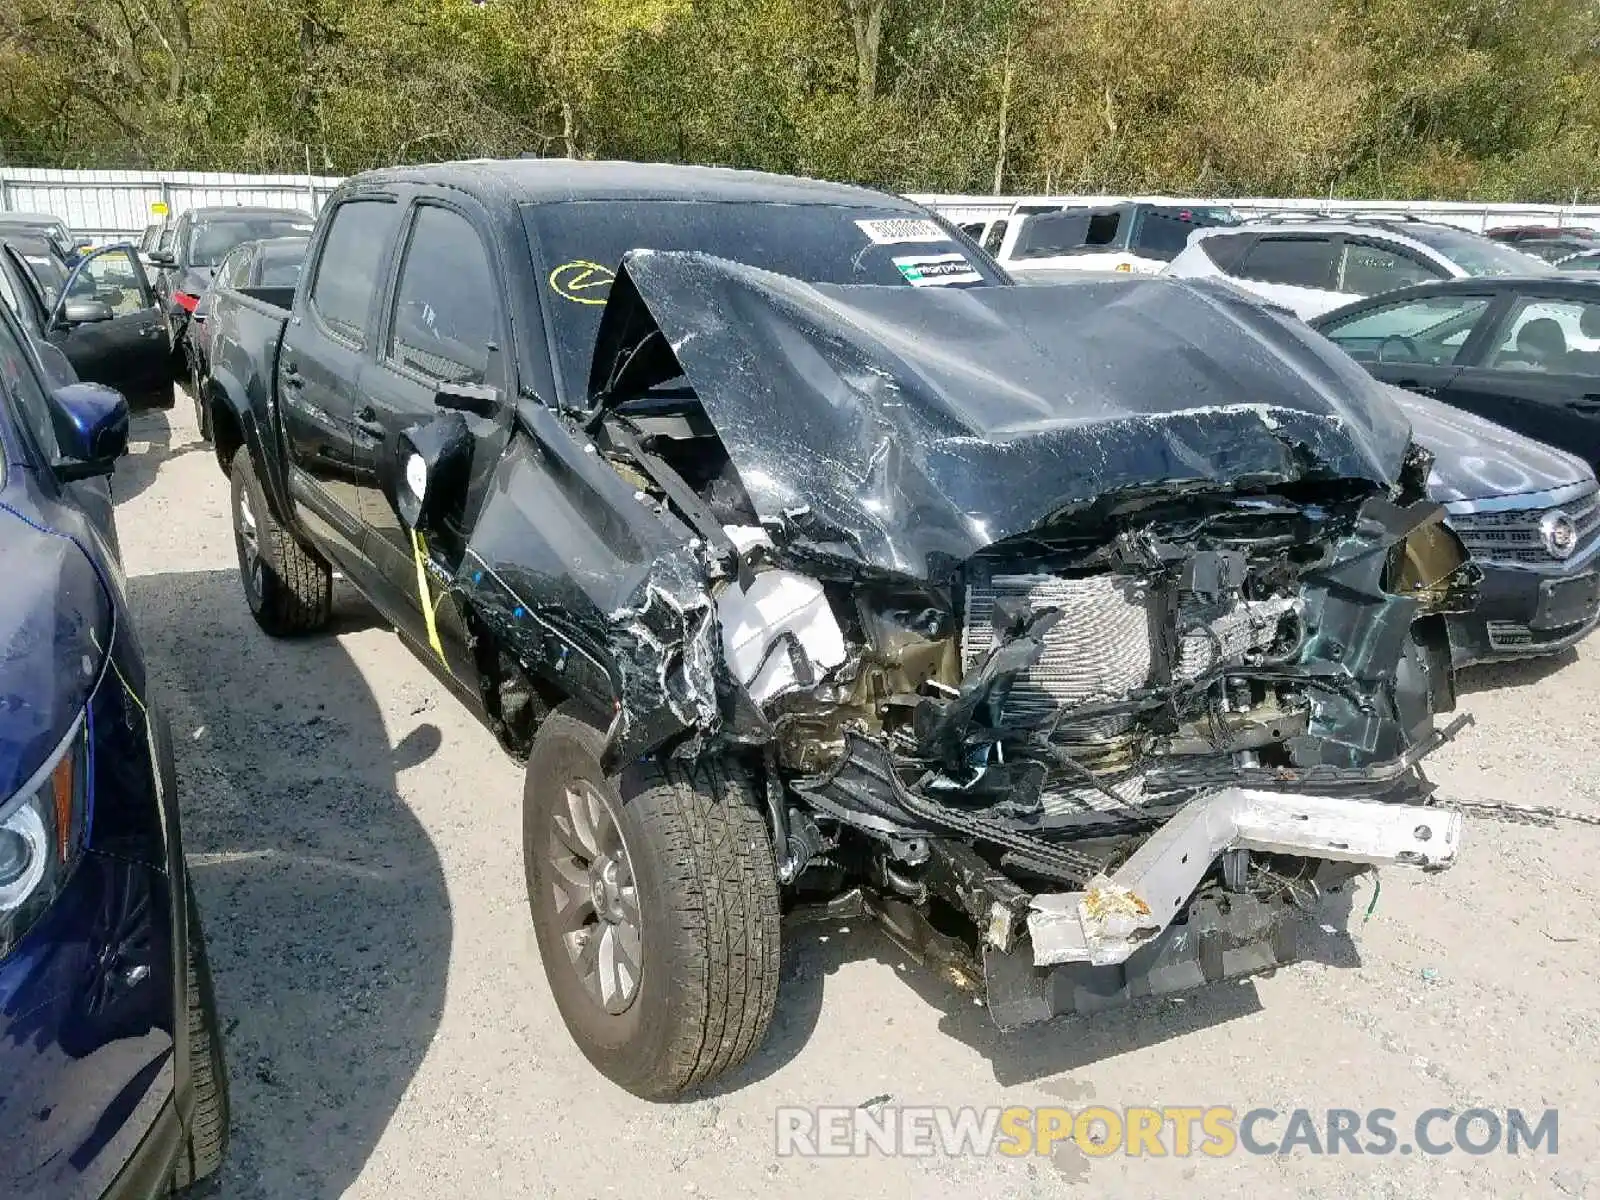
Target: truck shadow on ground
814,952
324,900
150,443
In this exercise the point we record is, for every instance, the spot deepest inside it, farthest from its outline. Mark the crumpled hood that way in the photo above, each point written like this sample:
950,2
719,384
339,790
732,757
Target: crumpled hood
1475,459
921,424
53,609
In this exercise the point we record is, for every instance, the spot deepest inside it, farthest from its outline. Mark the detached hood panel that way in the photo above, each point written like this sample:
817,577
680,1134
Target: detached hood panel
921,424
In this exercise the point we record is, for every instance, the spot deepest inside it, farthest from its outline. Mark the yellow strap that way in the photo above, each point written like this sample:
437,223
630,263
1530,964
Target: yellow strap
420,553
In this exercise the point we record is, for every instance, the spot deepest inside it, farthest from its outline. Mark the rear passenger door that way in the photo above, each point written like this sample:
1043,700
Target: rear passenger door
444,325
326,347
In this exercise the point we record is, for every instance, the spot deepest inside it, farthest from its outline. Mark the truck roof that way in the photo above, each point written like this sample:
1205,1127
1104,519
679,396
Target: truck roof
520,180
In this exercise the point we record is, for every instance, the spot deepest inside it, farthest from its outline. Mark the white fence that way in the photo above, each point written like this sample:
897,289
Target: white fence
1468,215
109,205
106,205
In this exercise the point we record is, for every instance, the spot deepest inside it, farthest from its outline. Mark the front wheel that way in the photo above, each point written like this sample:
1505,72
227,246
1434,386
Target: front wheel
655,904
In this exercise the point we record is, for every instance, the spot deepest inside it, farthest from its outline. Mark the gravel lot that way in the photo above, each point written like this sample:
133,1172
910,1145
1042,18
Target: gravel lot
355,840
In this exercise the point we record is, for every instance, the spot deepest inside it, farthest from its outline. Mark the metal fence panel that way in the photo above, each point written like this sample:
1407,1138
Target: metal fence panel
110,205
107,205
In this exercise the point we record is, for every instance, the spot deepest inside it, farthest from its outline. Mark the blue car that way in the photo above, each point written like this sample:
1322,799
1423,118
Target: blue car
112,1080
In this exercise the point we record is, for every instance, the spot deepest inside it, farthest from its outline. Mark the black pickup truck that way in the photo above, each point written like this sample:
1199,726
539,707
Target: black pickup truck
1070,632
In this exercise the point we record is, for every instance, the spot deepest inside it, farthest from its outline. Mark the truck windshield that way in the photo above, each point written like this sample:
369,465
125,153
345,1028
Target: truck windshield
210,242
580,243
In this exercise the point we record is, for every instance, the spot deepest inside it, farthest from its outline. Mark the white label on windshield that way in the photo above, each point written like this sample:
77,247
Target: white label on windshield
937,270
892,232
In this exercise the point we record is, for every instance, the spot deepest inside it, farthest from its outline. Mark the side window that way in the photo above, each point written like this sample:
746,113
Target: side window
995,236
446,305
1296,261
1550,335
1430,330
166,240
347,272
1367,269
21,388
115,279
1227,251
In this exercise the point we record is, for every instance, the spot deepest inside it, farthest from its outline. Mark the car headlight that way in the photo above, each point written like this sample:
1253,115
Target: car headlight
40,829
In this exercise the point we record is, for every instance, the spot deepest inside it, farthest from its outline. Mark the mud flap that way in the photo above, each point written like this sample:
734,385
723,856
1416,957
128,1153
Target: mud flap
1220,940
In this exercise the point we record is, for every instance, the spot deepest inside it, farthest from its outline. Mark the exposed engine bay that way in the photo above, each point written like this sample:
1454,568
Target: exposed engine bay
1115,715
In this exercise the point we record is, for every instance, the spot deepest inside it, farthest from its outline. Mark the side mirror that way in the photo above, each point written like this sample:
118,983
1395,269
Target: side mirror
91,426
85,312
162,258
432,463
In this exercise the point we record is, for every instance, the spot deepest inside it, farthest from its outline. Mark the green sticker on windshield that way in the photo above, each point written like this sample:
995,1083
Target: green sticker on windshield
937,270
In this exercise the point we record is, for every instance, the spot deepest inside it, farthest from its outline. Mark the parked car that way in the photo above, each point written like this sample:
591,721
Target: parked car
67,244
274,265
794,582
1549,242
1528,513
1521,352
187,254
150,242
1131,236
1582,260
1314,266
115,1083
103,317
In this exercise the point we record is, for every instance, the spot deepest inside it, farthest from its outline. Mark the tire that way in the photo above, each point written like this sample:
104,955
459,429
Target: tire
696,850
207,1141
289,587
202,411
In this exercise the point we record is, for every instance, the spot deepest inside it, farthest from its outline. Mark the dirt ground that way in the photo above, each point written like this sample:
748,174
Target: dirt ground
355,841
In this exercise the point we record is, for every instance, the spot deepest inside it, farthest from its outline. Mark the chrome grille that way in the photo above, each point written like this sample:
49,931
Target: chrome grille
1513,536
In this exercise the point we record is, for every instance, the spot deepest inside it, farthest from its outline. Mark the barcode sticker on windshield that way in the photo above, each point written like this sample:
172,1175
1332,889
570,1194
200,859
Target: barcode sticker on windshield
937,270
891,232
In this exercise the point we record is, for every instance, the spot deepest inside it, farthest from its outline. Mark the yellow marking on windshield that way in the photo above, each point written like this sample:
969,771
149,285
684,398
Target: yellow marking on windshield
582,282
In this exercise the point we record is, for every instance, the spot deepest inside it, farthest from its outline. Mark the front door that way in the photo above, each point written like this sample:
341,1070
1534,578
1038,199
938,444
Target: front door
111,327
444,327
1414,343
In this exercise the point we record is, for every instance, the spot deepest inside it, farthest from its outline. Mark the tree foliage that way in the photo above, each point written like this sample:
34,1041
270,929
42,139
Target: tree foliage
1487,99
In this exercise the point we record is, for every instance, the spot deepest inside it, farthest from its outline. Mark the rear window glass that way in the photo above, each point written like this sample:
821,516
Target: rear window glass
210,241
581,242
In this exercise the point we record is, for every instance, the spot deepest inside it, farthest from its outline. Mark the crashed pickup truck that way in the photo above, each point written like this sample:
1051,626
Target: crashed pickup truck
1080,634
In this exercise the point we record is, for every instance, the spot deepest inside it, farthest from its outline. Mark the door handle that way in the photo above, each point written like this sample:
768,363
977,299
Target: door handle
1589,404
367,421
151,331
1422,389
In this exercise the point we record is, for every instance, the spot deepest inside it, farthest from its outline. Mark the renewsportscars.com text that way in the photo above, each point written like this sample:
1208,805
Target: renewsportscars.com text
1158,1132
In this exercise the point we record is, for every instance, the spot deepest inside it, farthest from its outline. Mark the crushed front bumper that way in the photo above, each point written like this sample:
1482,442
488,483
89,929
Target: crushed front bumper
1117,940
